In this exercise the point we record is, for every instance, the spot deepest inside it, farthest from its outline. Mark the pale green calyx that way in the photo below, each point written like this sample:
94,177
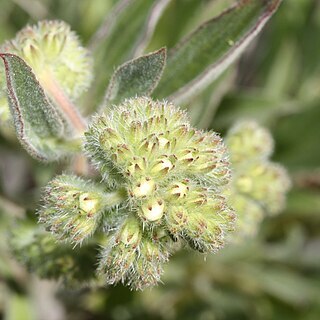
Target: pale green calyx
248,140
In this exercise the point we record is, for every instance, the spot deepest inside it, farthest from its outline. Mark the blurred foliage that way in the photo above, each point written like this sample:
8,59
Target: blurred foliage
273,276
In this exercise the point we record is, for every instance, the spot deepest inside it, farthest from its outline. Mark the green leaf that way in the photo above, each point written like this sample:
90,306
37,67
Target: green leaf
286,285
137,77
201,57
123,35
38,125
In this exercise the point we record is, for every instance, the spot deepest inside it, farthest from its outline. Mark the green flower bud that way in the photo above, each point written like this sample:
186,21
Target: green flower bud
179,189
130,233
56,57
137,263
201,217
72,208
249,141
152,210
117,259
145,187
250,215
149,266
266,183
177,219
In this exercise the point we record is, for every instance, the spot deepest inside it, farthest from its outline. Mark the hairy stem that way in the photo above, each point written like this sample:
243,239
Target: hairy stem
63,101
70,111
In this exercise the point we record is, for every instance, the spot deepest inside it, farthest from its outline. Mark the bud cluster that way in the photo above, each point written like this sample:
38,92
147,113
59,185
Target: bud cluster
50,47
163,182
165,165
166,180
259,186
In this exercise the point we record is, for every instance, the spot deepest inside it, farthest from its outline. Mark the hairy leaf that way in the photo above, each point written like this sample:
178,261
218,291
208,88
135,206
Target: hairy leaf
123,36
137,77
200,58
38,125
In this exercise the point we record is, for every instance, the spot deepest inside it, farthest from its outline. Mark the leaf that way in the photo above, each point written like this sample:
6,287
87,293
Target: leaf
37,123
286,285
201,57
123,36
137,77
40,252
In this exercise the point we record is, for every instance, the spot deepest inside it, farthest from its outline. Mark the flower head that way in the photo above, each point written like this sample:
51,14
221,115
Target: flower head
163,183
150,148
52,46
259,186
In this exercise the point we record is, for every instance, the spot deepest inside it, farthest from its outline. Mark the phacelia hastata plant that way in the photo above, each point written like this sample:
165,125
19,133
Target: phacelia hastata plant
159,183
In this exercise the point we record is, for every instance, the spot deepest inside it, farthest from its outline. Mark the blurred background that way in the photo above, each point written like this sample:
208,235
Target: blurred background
276,275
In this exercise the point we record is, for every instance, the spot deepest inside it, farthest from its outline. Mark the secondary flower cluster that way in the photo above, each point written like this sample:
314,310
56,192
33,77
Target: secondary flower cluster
259,186
50,47
163,183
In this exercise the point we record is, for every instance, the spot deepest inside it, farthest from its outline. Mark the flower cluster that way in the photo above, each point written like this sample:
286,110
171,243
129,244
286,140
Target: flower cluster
166,180
259,186
50,48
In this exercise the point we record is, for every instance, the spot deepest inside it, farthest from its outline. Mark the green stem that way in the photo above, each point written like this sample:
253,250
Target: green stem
63,102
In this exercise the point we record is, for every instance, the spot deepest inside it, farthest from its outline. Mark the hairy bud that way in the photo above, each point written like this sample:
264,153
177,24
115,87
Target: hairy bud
266,183
249,141
133,257
72,208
